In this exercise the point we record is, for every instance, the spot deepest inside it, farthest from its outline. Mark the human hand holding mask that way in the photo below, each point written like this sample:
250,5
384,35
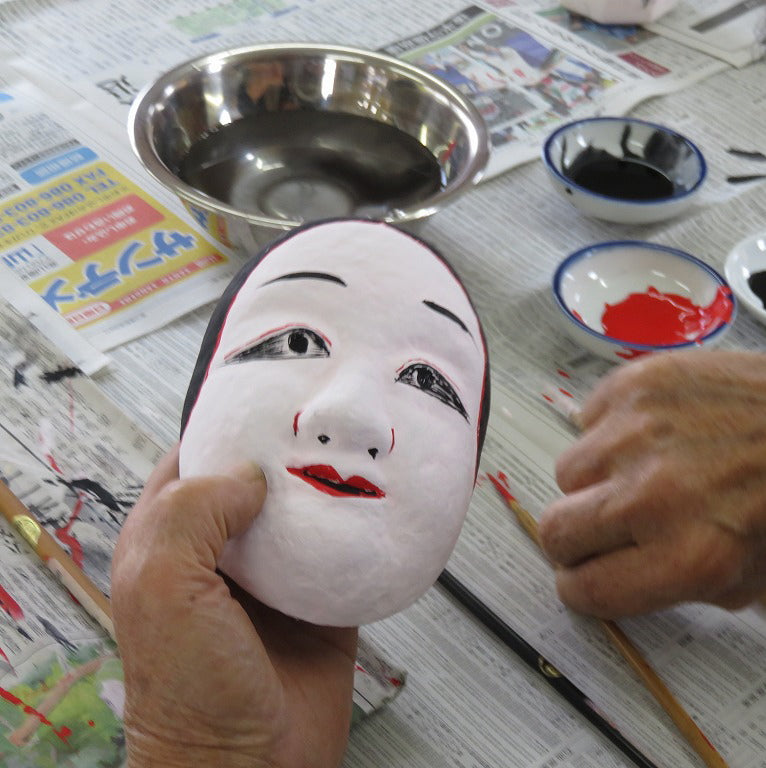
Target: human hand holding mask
348,362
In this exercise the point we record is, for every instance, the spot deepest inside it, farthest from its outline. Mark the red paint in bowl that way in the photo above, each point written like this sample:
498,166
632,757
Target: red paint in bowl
663,319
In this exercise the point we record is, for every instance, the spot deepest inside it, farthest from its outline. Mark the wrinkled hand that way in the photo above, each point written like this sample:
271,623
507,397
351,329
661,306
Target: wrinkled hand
666,488
212,677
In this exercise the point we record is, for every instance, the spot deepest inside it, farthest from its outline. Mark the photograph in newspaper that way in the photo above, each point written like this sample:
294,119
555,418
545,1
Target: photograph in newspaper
530,72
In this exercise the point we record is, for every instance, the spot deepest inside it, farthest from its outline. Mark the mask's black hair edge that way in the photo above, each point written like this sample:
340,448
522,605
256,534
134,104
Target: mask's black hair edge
216,322
537,662
218,318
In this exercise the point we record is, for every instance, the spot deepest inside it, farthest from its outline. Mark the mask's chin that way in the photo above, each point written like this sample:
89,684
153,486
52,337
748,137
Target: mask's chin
326,563
339,563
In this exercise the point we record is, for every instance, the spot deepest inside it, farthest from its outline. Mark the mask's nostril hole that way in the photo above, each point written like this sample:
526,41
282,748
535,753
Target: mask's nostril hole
373,452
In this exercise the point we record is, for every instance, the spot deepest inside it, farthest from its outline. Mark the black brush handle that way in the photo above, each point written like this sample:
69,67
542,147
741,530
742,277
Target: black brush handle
539,664
747,177
747,154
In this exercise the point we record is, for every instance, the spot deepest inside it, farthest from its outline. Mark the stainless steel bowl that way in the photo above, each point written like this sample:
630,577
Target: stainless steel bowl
258,140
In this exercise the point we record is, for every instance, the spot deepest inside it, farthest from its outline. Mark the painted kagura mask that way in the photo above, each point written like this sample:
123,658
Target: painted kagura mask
348,362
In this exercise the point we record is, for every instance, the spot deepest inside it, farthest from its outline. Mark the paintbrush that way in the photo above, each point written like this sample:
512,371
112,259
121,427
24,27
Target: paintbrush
539,664
682,720
56,559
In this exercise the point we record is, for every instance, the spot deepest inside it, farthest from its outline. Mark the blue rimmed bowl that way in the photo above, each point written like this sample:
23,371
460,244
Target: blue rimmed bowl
624,299
624,170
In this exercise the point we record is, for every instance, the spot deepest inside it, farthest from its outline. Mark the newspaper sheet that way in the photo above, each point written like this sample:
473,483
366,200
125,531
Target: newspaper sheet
467,702
111,253
116,255
78,463
731,30
54,327
528,66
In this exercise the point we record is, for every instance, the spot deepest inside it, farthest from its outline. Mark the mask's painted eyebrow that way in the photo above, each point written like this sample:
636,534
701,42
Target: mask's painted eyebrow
309,276
443,311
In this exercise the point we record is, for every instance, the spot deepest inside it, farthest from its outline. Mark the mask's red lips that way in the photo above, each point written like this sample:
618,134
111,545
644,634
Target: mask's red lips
325,478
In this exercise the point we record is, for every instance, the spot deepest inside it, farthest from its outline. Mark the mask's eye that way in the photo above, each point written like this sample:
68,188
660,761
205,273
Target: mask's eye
287,344
430,381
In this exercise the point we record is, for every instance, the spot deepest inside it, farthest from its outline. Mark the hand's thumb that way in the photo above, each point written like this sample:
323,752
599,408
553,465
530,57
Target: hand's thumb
239,497
205,512
247,472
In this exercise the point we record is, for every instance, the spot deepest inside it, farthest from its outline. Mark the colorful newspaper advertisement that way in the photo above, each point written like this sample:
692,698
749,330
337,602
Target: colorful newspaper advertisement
78,227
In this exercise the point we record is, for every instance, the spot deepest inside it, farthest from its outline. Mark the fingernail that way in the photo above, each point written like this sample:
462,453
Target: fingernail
248,472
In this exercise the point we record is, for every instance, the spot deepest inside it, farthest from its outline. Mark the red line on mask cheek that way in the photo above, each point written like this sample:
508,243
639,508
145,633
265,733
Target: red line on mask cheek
295,423
393,440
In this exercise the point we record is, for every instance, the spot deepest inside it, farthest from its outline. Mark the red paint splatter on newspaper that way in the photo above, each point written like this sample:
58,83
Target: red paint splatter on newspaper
63,733
65,537
10,606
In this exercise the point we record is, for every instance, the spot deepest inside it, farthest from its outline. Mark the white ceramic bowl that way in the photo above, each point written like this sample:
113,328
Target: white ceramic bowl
624,299
746,273
624,170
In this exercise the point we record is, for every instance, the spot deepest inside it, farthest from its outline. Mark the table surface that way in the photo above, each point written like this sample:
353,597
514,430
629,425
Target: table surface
464,702
468,701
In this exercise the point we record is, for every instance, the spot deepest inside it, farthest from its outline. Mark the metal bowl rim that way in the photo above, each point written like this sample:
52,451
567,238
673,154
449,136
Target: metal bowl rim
146,98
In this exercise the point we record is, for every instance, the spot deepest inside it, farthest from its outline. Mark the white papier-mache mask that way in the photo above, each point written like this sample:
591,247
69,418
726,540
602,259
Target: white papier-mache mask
348,362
